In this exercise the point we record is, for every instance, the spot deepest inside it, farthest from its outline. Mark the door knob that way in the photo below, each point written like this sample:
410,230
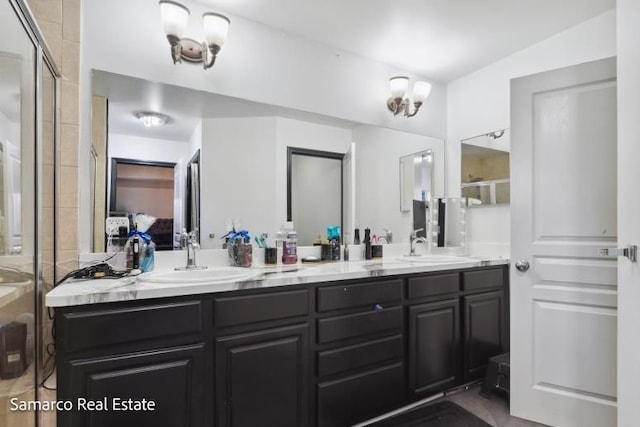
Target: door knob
522,265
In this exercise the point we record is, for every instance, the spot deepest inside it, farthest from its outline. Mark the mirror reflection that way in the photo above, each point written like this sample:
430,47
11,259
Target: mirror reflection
448,223
485,168
315,187
241,174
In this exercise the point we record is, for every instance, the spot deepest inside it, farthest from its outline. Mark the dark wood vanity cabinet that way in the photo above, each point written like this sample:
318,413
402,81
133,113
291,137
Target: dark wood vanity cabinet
173,378
434,347
327,354
262,378
360,351
111,353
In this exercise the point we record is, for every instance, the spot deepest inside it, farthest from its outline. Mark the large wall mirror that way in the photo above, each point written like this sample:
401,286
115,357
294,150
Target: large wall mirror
485,168
231,162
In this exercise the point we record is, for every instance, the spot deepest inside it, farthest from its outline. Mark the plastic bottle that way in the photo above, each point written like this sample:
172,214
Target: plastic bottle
289,244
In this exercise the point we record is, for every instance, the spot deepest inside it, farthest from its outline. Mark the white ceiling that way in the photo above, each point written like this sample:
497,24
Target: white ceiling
438,39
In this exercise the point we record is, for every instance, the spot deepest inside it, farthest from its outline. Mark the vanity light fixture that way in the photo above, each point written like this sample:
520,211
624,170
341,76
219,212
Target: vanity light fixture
151,119
399,101
174,17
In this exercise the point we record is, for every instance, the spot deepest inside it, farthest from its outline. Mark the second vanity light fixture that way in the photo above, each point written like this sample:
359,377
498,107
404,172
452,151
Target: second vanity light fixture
174,17
399,101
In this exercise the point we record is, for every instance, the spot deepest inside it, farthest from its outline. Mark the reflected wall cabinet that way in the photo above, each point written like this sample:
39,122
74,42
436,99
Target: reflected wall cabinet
28,109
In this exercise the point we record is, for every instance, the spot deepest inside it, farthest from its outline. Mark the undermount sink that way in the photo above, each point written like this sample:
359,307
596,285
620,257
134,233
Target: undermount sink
210,275
434,259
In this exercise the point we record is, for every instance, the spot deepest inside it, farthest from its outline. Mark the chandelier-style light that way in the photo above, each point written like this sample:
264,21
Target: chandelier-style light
399,101
175,16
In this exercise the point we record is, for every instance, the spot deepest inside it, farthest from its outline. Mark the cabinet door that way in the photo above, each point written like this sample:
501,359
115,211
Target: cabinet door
484,331
172,378
262,378
434,341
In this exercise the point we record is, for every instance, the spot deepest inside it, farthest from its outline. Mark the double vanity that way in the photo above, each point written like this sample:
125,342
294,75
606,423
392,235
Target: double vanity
306,345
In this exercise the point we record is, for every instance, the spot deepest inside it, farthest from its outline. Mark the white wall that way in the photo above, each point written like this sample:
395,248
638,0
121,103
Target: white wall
378,153
479,102
154,150
628,224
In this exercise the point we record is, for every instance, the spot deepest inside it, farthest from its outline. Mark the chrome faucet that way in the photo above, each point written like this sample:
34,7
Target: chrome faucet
413,239
190,242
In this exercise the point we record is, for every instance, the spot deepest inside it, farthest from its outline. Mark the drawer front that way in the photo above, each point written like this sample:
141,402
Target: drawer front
359,324
337,297
92,329
349,400
359,356
432,285
482,279
229,311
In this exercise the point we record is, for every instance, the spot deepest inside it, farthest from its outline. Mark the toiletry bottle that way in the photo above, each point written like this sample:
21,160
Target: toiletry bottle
335,250
345,255
356,236
290,245
367,244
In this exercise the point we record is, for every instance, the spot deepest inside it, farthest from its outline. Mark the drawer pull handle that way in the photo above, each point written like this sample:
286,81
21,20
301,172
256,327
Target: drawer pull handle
377,307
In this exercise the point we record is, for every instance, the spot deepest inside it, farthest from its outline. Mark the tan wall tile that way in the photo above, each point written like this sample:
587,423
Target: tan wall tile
68,189
70,103
47,10
71,20
69,137
66,260
67,229
71,61
52,32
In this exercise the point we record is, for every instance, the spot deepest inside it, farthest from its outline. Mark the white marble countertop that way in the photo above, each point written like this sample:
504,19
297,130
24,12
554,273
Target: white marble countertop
82,292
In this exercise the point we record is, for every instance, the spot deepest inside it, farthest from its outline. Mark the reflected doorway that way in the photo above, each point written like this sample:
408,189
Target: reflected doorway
145,187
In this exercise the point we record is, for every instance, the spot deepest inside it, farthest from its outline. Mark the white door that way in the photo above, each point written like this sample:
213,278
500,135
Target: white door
563,207
627,23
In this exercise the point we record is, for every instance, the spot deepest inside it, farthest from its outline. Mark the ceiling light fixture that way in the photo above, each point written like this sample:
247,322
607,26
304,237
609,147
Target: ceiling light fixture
151,119
399,101
174,17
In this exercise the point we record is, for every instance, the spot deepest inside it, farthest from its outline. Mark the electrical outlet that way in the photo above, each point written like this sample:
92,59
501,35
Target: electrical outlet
113,223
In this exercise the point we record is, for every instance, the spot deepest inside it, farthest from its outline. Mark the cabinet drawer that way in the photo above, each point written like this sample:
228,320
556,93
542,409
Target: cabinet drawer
432,285
482,279
349,400
359,324
91,329
229,311
358,356
337,297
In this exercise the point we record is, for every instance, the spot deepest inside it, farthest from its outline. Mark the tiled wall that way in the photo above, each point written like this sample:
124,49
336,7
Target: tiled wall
59,20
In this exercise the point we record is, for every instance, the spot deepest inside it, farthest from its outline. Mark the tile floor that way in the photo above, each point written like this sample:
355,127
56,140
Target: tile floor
494,411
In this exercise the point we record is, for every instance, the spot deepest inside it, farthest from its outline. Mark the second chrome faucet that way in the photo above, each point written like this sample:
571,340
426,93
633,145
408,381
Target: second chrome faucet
413,240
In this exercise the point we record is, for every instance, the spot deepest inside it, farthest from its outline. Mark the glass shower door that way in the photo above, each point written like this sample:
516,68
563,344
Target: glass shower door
18,283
